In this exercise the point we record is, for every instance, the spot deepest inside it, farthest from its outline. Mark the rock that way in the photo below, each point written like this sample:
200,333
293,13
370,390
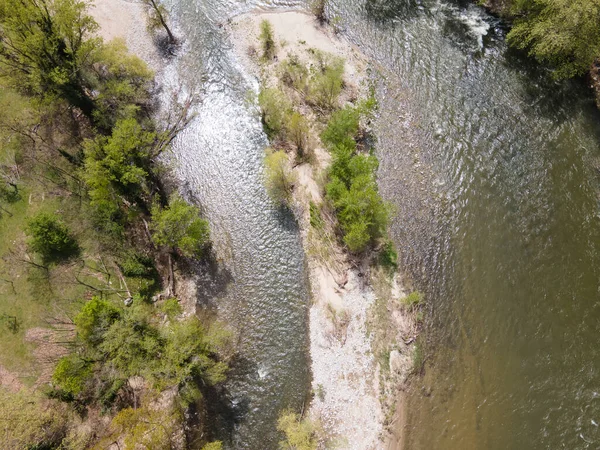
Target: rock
128,301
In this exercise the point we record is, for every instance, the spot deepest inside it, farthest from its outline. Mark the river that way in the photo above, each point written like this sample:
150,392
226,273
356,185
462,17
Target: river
494,172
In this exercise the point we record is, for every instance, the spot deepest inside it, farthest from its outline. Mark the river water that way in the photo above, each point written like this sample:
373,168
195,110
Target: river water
494,172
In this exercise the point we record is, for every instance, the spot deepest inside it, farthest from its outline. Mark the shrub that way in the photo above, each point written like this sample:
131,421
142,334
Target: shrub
297,132
51,238
388,257
279,179
94,319
274,108
171,308
300,434
180,226
216,445
316,221
71,374
342,128
327,81
413,299
294,74
267,41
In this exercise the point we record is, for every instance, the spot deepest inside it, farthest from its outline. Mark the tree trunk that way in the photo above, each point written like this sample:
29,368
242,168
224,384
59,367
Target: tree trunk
163,22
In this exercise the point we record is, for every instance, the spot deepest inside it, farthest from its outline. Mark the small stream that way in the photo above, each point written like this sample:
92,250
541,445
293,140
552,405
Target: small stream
494,172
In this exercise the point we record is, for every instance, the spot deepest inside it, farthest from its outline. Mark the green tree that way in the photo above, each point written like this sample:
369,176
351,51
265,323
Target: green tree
116,167
563,33
71,374
297,132
94,320
275,109
279,177
180,226
327,81
300,434
50,238
44,47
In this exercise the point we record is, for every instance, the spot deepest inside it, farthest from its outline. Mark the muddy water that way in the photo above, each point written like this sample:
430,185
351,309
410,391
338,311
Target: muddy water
494,172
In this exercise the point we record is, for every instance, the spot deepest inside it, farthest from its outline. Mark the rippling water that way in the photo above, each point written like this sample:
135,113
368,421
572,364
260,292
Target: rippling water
494,171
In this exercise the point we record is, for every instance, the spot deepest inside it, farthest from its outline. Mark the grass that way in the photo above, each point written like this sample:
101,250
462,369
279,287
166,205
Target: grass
413,299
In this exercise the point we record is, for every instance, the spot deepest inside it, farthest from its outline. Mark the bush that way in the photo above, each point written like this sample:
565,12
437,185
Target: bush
94,319
317,8
294,74
71,374
51,238
180,226
300,434
362,214
342,128
316,221
267,41
297,132
275,109
279,177
327,81
413,299
388,257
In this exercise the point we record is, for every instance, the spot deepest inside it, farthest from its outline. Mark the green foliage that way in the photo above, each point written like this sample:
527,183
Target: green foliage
50,238
116,167
180,226
216,445
267,41
294,74
44,47
30,423
297,132
121,81
563,33
413,299
171,308
342,128
279,177
316,221
327,81
71,374
94,319
300,434
137,265
361,212
389,257
145,427
275,109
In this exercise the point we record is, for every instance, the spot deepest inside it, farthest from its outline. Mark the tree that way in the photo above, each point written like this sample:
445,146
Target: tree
563,33
158,18
274,108
44,47
297,132
300,434
50,238
279,177
180,227
116,167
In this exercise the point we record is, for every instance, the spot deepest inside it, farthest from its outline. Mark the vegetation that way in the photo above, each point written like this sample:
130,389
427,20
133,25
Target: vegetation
562,33
362,214
317,7
413,299
50,238
279,177
267,40
180,227
327,81
157,18
300,434
79,177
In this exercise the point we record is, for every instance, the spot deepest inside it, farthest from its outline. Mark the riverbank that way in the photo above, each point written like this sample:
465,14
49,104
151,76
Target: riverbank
355,374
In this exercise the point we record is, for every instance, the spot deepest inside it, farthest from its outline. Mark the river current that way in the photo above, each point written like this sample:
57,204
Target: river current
493,170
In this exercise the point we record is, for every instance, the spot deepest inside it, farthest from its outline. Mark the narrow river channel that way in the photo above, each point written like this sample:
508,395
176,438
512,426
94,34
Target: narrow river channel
494,171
